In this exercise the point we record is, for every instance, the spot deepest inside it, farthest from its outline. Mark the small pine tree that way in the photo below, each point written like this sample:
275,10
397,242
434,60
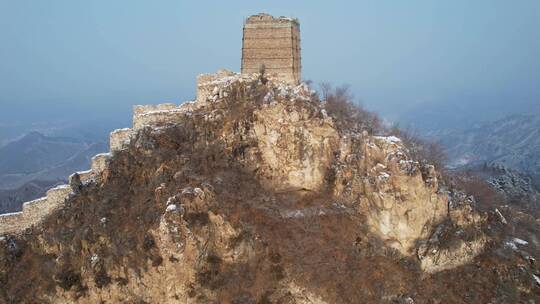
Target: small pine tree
262,72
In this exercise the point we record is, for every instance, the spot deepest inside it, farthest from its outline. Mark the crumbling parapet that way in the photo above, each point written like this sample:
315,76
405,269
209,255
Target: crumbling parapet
207,84
57,195
11,223
100,162
34,211
119,139
161,114
84,177
142,109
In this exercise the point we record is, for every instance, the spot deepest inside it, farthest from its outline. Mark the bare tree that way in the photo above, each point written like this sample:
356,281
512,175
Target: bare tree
339,103
349,115
262,74
426,151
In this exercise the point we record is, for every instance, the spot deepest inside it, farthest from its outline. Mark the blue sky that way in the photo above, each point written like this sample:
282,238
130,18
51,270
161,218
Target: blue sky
95,57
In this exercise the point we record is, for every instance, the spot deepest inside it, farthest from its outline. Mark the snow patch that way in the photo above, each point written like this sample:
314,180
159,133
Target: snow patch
61,187
94,260
11,213
511,245
537,279
389,139
520,241
501,217
172,207
383,176
120,130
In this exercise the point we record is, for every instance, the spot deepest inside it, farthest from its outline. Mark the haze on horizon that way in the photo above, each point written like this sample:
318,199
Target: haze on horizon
95,59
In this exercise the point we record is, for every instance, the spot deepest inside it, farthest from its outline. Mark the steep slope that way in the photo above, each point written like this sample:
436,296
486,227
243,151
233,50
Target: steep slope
253,194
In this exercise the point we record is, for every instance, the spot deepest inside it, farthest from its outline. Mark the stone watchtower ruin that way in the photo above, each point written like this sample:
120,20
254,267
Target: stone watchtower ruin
273,42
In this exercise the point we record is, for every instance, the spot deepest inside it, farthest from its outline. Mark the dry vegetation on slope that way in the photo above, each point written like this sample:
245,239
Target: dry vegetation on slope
260,193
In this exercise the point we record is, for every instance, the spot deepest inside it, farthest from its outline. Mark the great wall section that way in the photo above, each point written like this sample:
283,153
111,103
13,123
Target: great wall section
157,115
261,191
267,40
35,211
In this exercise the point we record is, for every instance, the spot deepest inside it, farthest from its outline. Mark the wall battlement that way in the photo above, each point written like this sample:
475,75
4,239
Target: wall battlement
157,115
34,211
207,83
210,88
119,139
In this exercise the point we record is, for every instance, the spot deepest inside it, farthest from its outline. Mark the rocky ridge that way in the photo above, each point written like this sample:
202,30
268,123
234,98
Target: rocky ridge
250,194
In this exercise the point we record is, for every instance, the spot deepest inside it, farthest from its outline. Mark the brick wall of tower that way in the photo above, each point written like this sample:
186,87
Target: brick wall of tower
274,42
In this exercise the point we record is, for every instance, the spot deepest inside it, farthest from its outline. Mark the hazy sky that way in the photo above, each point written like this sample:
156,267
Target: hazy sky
93,57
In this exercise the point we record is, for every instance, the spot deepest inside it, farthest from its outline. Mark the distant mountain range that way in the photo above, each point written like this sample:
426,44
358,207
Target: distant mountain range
35,152
34,163
513,141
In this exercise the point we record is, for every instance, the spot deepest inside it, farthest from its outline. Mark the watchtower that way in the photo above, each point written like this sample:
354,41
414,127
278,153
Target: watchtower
273,42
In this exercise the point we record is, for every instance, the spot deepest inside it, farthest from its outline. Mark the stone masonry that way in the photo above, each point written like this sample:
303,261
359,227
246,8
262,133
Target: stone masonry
273,42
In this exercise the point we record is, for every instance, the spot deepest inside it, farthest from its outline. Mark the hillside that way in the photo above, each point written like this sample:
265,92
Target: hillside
258,192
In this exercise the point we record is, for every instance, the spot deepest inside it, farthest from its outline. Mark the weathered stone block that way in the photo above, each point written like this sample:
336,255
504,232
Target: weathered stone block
100,162
207,83
11,223
119,139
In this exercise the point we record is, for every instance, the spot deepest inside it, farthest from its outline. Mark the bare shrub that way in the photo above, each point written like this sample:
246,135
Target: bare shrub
424,151
349,115
262,74
338,103
486,197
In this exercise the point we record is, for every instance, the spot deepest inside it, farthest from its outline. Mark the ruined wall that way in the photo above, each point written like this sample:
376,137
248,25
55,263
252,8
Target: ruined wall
119,139
210,88
156,115
207,83
34,211
274,42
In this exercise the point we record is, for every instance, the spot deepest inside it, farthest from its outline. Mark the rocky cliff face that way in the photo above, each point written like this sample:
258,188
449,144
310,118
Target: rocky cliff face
251,194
